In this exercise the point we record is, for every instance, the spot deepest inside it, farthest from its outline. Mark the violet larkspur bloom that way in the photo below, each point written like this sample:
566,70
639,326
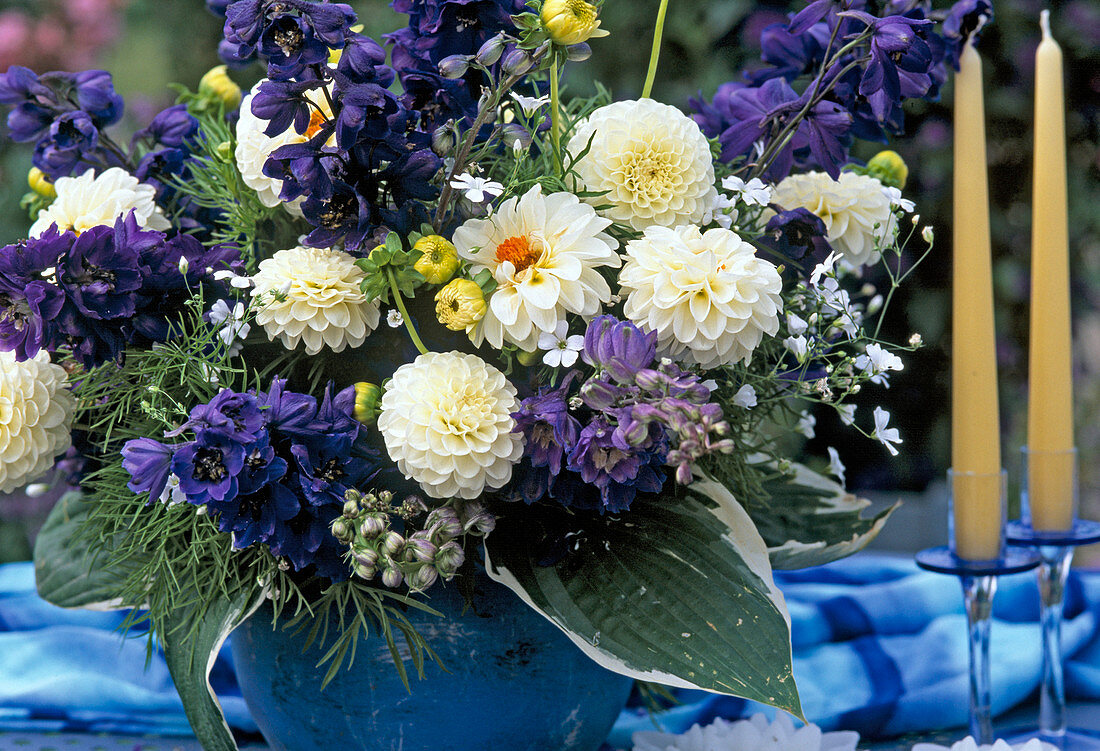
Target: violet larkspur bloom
149,464
618,347
29,304
70,138
229,414
619,474
292,34
901,60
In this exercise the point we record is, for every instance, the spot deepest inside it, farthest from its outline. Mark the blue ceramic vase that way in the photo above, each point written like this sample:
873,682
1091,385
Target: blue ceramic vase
515,682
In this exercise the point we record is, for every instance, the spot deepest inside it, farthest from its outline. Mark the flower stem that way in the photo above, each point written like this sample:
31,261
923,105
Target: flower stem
655,53
555,116
397,299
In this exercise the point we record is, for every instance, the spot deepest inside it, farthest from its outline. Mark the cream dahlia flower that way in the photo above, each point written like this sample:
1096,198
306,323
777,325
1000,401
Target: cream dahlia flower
312,295
90,201
708,296
35,411
543,252
254,147
447,423
649,161
856,210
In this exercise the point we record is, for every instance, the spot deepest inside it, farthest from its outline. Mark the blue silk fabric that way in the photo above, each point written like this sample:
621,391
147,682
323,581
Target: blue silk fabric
879,647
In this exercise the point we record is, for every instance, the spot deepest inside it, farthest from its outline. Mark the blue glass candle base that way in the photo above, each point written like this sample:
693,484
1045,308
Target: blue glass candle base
979,583
942,561
1055,549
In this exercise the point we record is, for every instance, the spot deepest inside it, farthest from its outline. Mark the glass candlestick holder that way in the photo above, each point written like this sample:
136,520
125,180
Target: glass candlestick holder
983,495
1050,526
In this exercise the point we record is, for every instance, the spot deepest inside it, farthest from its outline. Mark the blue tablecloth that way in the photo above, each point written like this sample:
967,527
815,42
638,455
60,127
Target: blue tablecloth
880,647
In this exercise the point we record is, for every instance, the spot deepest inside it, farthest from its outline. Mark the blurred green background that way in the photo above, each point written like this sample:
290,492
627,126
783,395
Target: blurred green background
147,44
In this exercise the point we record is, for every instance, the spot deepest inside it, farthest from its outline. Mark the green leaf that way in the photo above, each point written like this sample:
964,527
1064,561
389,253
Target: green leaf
67,571
678,591
191,639
810,520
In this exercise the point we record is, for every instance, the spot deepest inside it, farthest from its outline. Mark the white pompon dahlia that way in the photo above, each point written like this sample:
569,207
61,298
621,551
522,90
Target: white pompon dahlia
707,295
312,295
543,252
754,734
35,410
447,423
254,147
856,209
92,200
649,160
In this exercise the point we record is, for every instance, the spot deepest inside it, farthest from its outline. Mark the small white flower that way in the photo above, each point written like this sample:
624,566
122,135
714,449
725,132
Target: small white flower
927,234
209,372
847,413
36,489
798,346
530,104
876,362
394,319
184,265
836,467
916,340
745,397
172,494
233,326
823,269
235,281
477,189
893,195
561,350
796,325
885,436
806,424
753,193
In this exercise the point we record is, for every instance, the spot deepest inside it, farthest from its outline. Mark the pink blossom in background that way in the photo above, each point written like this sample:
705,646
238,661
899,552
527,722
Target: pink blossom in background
58,34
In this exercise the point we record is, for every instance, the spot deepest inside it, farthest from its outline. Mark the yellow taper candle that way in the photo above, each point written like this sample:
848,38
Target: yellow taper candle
975,428
1050,399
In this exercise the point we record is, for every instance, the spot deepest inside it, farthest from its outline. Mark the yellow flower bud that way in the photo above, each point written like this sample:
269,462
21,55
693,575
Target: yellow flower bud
570,22
216,84
41,184
438,261
460,304
889,168
368,402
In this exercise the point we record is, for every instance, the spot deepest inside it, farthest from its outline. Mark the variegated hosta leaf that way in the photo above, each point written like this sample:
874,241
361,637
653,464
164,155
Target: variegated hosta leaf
67,573
677,590
810,520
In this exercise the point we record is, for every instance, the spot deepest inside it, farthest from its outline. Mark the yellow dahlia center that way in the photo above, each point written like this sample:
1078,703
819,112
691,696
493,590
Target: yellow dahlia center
518,252
647,172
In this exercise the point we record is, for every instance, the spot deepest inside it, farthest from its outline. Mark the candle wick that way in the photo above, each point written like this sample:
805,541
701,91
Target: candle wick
1044,23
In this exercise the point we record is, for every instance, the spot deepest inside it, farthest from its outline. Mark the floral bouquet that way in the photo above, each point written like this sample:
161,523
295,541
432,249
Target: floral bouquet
403,313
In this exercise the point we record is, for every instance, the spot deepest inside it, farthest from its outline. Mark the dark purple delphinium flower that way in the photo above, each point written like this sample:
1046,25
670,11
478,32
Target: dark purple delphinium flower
96,95
292,34
229,414
901,60
208,467
68,141
101,276
966,19
29,304
620,474
792,234
547,426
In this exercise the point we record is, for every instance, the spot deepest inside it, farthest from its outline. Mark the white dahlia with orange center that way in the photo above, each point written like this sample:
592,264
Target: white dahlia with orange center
649,160
447,422
856,210
543,252
36,408
313,295
707,295
254,147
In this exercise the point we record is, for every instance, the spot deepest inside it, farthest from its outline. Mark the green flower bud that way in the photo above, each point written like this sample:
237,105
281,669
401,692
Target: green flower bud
454,66
392,543
569,22
341,530
392,577
218,86
528,358
366,557
351,507
373,525
368,402
366,572
449,559
422,578
40,183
